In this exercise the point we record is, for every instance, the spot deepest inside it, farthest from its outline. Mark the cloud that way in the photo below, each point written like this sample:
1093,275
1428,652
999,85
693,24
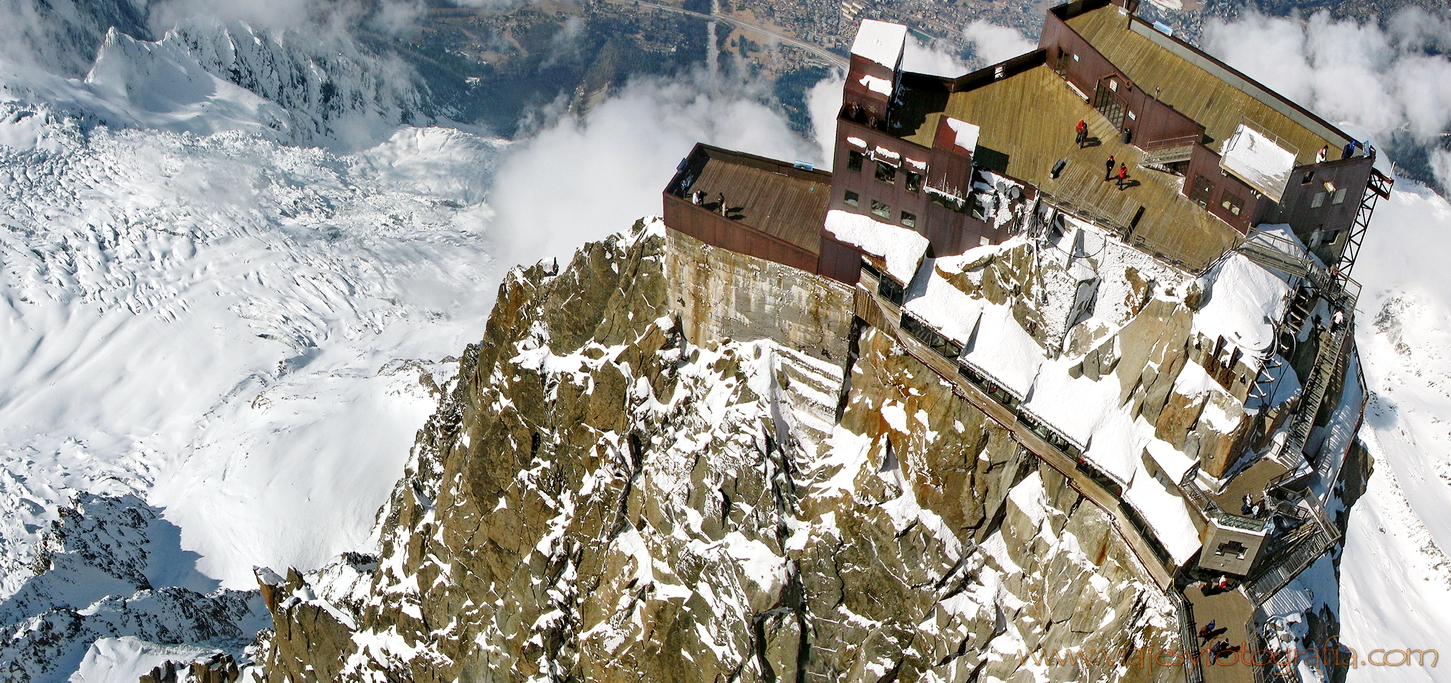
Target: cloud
387,16
1377,80
926,59
992,43
823,103
581,178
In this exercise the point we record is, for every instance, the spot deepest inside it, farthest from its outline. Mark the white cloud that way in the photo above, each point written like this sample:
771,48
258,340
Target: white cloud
924,59
823,101
581,178
992,43
386,15
1375,79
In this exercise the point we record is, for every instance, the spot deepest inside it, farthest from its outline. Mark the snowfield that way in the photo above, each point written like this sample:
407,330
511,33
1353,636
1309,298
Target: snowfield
240,332
1395,573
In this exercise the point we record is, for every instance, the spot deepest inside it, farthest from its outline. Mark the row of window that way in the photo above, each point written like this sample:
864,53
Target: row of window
885,172
881,209
1337,196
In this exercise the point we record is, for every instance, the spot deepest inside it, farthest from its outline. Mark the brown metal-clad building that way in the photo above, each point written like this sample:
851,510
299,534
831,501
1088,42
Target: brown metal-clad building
772,209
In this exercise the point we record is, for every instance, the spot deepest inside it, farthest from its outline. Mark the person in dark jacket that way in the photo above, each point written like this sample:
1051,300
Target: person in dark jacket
1108,166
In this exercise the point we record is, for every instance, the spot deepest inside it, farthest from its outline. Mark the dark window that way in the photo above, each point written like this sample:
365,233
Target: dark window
1234,548
1231,203
886,173
881,209
945,201
1309,176
852,198
909,219
914,181
888,289
854,160
1202,189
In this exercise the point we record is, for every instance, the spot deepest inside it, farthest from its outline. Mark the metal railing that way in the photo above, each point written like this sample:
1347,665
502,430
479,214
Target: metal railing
1188,638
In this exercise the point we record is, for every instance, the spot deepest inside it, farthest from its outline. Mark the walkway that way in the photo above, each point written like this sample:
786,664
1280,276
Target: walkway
878,315
1231,611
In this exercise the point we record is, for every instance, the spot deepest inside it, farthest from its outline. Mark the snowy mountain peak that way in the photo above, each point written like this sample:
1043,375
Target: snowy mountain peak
162,85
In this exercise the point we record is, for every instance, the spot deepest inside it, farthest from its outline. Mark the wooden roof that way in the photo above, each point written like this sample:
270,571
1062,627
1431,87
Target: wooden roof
1027,125
770,196
1201,87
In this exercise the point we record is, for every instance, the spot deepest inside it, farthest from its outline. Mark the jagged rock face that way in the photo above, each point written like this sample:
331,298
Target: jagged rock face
602,499
96,579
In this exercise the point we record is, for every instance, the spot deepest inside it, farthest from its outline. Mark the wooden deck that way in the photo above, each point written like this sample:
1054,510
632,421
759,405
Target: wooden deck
782,205
1210,100
1027,123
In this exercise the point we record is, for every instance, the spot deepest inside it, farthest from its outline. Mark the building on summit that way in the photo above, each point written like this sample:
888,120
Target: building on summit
1112,136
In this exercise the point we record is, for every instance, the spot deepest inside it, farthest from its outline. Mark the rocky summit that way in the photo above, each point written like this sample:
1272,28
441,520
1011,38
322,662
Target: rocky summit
614,489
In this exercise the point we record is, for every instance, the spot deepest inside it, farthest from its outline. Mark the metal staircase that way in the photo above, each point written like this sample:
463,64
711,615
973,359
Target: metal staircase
1167,155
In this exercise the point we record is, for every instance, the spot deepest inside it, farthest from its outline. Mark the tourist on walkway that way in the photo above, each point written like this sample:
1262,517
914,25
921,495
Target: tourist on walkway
1322,154
1108,174
1082,131
1337,321
1123,175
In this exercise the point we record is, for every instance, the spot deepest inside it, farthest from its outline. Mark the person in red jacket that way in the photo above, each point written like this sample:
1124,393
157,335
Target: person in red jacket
1123,175
1082,131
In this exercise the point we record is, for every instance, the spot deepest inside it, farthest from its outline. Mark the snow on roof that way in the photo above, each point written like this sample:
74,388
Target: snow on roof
857,142
966,134
1244,300
1088,412
946,308
1165,511
1003,351
1173,461
1257,160
880,41
877,85
901,248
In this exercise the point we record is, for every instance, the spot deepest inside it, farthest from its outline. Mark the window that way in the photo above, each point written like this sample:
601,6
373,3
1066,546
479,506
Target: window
854,160
1202,189
1231,203
1318,200
1309,177
909,219
881,209
1076,58
886,173
852,198
1339,197
946,202
1234,548
914,181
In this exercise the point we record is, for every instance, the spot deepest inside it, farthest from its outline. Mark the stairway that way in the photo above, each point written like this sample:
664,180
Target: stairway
1167,155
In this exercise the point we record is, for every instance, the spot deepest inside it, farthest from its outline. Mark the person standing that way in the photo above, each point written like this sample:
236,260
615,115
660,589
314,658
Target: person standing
1322,154
1108,166
1082,131
1123,175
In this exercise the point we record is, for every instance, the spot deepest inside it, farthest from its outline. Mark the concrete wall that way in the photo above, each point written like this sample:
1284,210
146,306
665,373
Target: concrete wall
722,294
